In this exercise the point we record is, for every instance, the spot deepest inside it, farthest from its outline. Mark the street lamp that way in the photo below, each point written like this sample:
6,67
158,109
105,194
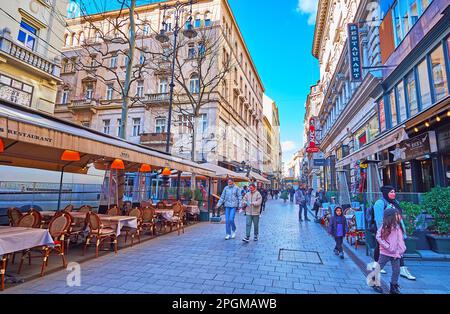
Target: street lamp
162,37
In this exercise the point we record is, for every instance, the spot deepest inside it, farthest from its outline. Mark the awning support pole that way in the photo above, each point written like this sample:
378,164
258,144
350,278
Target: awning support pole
60,188
178,185
209,196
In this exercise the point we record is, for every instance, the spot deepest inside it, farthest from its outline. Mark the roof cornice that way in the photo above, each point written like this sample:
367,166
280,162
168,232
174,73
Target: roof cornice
320,24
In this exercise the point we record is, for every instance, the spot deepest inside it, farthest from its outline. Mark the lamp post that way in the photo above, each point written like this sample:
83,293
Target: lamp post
162,37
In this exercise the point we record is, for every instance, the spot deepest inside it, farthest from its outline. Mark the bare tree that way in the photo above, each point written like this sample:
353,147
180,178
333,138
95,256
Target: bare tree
201,65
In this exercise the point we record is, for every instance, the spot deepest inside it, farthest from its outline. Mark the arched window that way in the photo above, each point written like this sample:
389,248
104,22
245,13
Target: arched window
66,40
74,40
207,19
194,84
81,38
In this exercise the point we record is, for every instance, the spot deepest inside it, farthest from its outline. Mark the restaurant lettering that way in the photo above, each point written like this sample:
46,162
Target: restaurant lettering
354,52
28,135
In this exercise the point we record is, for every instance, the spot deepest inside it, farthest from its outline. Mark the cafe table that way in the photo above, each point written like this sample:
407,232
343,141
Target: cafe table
118,221
15,239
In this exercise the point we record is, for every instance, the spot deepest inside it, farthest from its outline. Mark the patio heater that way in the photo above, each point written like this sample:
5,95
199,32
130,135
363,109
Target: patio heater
343,189
373,188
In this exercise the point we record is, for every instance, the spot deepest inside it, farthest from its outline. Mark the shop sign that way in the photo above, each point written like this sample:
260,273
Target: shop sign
312,137
420,145
319,162
354,52
25,135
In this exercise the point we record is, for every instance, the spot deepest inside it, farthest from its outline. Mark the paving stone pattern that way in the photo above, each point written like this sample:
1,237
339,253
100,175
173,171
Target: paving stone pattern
201,261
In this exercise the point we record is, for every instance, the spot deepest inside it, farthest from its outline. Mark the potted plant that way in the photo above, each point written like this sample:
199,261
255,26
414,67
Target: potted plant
410,213
437,204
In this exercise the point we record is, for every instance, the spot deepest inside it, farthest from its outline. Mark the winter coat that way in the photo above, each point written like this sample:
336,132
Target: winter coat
394,245
253,202
300,197
231,197
334,221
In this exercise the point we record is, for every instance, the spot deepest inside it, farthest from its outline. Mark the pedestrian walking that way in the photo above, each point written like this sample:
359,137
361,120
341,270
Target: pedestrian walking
252,204
392,245
300,200
387,201
231,199
264,194
244,190
338,228
291,194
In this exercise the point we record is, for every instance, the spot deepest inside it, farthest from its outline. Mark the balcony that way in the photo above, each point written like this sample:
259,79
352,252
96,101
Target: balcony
83,105
156,141
156,99
26,58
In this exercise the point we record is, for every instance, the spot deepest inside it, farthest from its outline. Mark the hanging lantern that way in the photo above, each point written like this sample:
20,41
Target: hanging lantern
166,172
118,164
145,168
70,155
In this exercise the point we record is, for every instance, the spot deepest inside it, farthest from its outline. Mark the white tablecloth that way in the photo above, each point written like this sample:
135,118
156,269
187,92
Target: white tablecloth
192,209
14,239
119,222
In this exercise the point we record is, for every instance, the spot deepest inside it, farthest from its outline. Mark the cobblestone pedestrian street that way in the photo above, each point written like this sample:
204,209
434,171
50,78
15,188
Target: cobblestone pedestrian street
202,261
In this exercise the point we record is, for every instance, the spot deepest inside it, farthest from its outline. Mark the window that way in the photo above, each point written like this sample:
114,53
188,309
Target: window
382,115
136,126
125,60
191,52
185,123
119,127
166,54
373,129
201,49
97,36
393,108
163,86
106,126
140,89
113,62
160,125
194,84
207,22
142,58
203,122
413,11
109,91
198,23
93,62
89,91
146,30
438,72
66,40
425,4
401,101
412,93
65,96
81,40
86,124
424,84
27,35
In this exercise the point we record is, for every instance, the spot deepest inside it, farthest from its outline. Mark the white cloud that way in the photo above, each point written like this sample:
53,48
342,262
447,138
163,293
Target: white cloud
288,146
308,7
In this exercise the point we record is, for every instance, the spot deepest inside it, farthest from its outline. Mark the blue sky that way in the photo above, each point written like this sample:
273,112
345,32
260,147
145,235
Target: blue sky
279,36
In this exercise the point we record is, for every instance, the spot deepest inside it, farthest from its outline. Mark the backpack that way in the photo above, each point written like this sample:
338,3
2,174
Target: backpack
369,215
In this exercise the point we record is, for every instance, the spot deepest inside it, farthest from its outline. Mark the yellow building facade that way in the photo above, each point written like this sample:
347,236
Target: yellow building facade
31,38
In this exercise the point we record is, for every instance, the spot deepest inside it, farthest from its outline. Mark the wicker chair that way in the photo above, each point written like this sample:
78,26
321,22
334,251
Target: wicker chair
85,209
68,208
39,223
149,219
113,211
177,220
75,231
28,221
58,228
138,213
14,215
96,230
161,205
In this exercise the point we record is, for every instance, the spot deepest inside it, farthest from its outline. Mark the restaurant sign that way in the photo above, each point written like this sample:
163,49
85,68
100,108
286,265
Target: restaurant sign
354,52
24,135
420,145
312,137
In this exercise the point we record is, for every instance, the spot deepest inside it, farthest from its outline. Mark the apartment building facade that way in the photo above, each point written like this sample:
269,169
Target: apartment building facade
30,44
229,127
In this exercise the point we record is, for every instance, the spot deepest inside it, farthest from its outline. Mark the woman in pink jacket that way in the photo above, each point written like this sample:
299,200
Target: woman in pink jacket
392,245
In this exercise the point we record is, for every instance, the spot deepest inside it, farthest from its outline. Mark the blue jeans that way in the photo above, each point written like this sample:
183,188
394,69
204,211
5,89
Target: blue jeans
230,212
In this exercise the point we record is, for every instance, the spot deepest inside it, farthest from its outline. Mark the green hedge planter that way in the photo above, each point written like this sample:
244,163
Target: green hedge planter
411,245
439,244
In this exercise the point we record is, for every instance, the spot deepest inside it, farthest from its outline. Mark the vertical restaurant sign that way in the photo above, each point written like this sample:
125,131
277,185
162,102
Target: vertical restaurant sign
312,137
354,52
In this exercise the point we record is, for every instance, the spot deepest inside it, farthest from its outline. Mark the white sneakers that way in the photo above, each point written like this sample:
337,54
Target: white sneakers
227,237
404,272
383,271
233,235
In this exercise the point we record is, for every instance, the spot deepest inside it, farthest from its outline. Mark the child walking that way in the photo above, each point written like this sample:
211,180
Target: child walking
392,245
338,228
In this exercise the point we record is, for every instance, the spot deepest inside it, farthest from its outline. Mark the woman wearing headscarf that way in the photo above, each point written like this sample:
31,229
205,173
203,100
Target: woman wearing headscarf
388,201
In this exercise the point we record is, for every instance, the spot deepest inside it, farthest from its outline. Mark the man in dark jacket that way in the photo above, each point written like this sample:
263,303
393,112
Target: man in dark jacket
264,194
